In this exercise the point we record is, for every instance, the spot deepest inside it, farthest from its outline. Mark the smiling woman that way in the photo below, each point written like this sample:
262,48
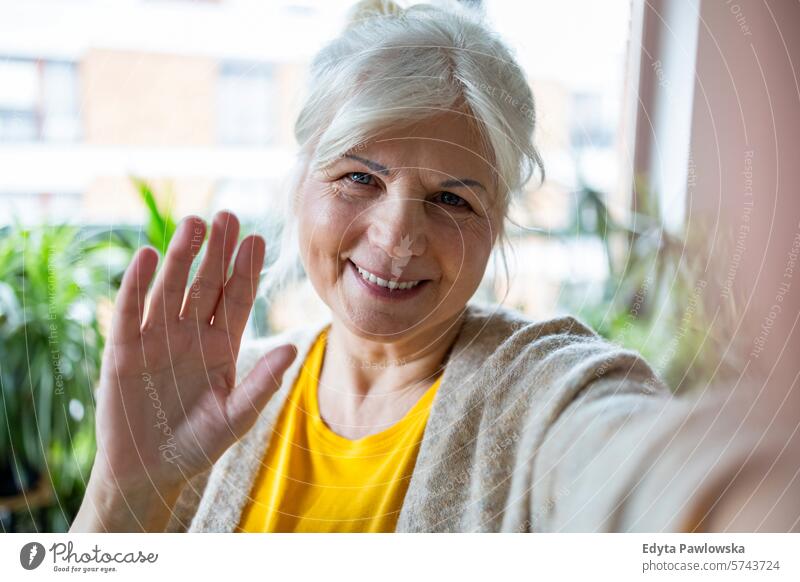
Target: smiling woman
384,212
411,408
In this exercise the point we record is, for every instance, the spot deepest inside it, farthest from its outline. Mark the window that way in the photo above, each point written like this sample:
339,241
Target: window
246,104
38,101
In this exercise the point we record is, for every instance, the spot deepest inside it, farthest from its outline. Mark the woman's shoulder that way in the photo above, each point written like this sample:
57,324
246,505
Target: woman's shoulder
499,316
497,327
562,348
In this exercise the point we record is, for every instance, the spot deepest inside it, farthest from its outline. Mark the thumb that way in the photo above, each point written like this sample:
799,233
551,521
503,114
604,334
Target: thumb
246,401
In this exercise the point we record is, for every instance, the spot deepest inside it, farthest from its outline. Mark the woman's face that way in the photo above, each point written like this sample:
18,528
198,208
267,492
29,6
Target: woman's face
414,207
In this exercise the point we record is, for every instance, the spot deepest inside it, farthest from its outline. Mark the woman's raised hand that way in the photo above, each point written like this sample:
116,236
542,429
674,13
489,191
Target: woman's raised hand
168,405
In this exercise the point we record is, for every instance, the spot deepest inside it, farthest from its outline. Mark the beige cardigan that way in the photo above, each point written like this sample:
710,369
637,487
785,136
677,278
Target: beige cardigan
537,426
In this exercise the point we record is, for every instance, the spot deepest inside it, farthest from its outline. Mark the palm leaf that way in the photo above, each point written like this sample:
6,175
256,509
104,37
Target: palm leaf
160,225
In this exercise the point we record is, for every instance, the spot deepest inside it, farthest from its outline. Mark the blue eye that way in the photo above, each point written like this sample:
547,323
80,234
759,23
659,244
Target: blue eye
360,178
450,199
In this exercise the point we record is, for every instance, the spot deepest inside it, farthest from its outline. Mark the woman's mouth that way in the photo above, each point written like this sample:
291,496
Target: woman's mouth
386,289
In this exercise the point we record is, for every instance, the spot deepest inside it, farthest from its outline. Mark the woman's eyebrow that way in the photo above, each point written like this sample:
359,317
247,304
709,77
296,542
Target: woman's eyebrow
374,166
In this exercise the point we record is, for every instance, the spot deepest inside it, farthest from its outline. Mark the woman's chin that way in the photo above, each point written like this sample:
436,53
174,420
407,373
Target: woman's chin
381,323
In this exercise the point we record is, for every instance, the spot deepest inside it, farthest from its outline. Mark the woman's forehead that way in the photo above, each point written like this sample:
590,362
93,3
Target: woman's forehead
454,126
445,143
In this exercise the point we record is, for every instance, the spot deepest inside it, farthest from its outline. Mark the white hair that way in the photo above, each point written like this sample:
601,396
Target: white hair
393,66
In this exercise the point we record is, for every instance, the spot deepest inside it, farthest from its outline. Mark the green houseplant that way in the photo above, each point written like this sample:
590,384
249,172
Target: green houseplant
54,279
657,297
51,279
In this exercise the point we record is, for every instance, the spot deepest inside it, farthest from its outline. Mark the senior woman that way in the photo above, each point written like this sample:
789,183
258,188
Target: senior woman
411,408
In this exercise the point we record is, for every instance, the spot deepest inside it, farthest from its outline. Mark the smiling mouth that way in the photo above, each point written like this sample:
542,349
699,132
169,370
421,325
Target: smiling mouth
391,287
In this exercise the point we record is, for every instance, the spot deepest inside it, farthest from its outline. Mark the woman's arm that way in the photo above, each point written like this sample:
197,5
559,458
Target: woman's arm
106,508
762,494
620,458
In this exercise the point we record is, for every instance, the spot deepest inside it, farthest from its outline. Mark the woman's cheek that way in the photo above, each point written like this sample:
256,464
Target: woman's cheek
464,263
470,236
328,218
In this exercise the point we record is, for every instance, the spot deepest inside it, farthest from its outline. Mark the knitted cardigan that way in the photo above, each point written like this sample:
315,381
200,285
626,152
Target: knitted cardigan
537,426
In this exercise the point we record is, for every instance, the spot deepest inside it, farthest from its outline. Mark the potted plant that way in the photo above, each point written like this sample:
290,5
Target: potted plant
51,280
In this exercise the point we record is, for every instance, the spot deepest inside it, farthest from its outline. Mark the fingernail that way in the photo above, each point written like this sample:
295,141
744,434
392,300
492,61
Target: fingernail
288,351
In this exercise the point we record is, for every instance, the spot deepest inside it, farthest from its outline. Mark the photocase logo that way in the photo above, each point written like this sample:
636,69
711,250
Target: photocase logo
31,555
401,256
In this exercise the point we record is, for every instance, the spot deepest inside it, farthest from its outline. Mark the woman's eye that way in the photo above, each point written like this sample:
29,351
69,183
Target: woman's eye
360,178
450,199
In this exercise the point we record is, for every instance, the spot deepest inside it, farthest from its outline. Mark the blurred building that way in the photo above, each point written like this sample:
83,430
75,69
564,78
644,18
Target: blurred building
200,98
197,96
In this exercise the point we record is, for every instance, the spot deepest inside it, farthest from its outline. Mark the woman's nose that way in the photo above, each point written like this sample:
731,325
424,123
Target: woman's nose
397,226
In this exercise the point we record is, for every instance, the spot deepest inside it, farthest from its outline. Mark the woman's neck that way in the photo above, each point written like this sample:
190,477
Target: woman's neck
368,366
365,386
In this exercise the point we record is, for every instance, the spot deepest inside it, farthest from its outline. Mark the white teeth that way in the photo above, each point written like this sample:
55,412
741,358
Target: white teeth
383,282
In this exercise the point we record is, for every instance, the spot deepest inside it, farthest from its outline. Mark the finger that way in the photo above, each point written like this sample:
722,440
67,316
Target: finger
239,292
246,401
207,286
126,321
170,285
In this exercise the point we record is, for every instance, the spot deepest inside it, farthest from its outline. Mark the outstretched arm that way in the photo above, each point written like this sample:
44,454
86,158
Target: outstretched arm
621,458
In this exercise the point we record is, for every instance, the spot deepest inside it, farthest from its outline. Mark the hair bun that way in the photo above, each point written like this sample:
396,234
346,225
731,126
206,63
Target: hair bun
366,9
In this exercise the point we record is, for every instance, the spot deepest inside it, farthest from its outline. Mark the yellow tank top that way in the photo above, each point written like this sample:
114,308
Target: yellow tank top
314,480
